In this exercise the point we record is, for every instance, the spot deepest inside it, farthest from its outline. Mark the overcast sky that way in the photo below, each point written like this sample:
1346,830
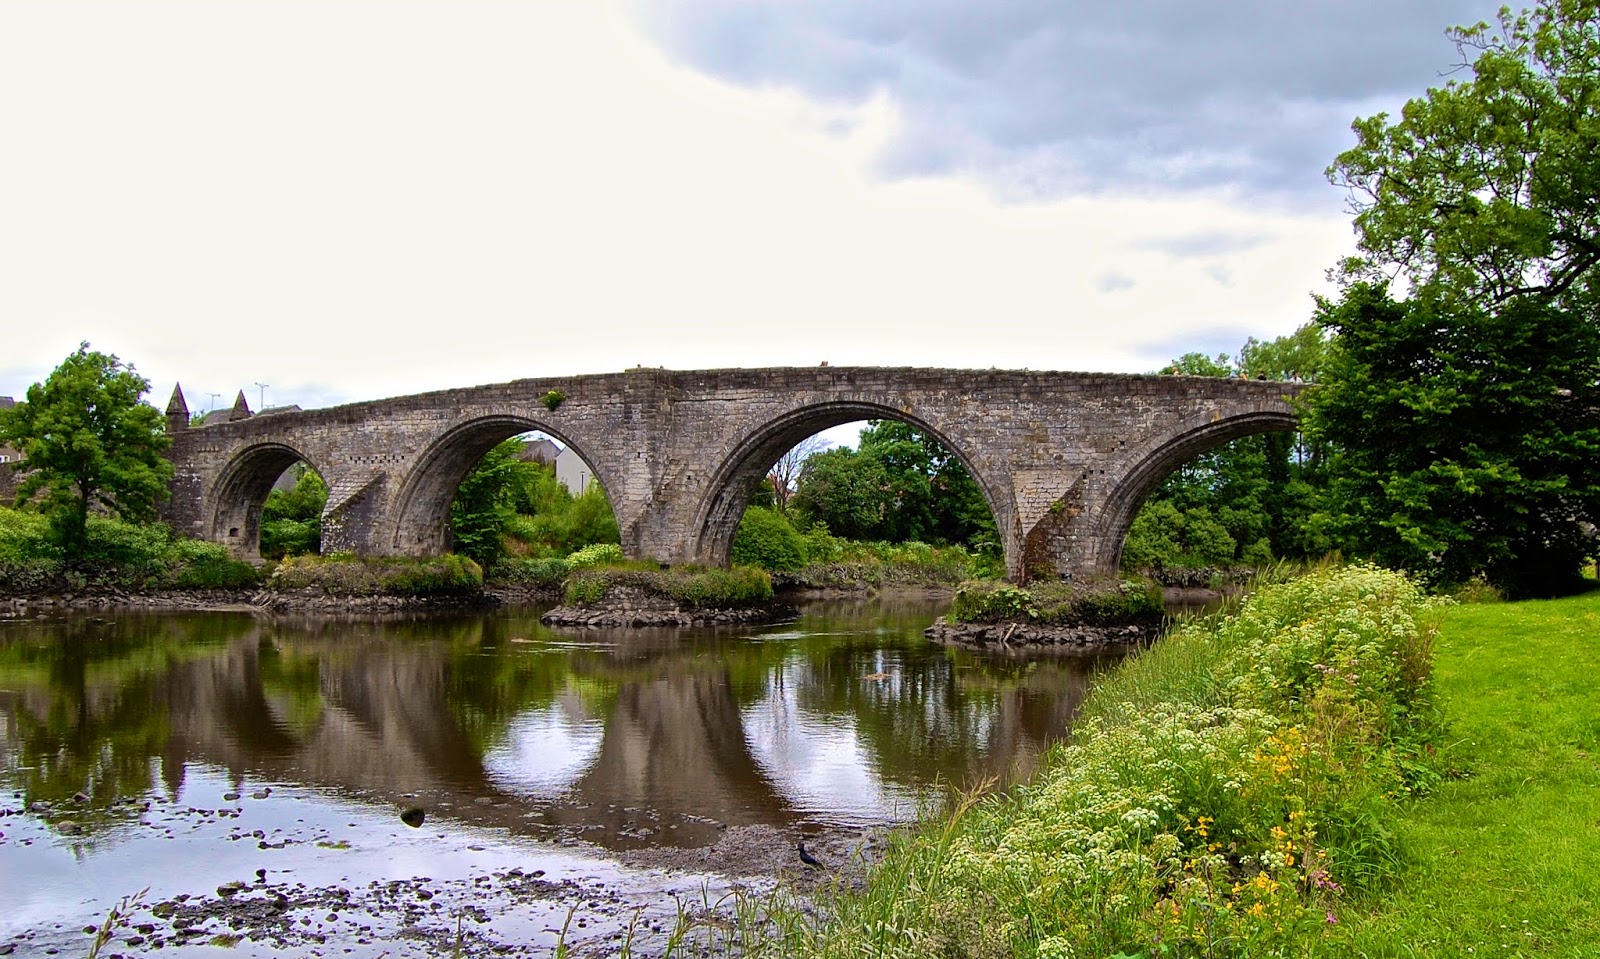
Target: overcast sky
350,200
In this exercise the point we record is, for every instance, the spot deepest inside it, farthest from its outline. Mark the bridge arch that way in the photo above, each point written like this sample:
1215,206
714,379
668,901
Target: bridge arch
1159,459
422,506
241,490
736,477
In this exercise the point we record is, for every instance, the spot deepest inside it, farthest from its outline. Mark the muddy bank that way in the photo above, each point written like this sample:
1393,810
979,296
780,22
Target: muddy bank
844,854
1027,636
306,887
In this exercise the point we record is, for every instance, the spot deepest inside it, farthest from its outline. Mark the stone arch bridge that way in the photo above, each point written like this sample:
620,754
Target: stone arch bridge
1064,459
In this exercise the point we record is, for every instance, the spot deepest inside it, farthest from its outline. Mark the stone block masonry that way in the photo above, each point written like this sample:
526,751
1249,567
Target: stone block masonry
1064,459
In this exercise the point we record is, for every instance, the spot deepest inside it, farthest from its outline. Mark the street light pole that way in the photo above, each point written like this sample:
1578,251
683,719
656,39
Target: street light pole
263,400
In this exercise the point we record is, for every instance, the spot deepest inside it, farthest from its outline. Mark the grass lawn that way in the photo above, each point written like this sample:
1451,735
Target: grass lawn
1505,855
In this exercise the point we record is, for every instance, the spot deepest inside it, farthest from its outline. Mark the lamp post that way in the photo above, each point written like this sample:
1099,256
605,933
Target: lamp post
263,400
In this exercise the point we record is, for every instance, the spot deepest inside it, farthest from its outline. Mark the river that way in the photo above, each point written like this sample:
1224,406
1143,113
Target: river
250,773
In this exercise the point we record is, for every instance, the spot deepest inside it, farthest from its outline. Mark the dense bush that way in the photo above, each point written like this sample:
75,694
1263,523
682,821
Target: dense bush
1223,795
550,572
346,575
595,555
291,520
765,539
115,554
1114,602
833,562
25,537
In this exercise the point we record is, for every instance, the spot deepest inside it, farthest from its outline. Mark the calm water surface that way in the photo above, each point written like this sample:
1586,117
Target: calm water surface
124,734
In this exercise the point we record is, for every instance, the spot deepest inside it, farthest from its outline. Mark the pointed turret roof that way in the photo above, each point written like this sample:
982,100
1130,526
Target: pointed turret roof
176,406
240,407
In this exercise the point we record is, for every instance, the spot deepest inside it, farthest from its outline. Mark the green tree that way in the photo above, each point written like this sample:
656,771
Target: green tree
1455,416
1485,189
1463,443
487,499
1199,364
844,491
291,520
506,500
1300,354
89,443
901,485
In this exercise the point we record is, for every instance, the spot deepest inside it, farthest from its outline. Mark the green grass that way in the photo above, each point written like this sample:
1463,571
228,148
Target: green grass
1504,859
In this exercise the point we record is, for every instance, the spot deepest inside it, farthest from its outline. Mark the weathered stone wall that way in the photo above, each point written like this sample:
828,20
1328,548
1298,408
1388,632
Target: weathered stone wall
1064,458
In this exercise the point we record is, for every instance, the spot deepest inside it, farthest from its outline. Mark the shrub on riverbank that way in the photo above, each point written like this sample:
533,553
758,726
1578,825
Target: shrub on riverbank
116,555
741,587
834,563
348,575
1107,603
551,572
1222,794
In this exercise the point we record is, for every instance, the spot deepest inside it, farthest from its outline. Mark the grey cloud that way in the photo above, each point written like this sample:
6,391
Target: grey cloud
1219,273
1113,282
1047,97
1212,243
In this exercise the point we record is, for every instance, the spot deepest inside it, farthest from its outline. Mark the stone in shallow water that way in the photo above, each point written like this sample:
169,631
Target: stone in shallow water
413,817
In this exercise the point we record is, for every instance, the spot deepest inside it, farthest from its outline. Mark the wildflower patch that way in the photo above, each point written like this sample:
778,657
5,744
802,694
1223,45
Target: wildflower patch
1223,794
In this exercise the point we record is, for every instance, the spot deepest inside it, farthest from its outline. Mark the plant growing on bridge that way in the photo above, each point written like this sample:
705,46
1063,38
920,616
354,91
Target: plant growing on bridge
553,399
89,444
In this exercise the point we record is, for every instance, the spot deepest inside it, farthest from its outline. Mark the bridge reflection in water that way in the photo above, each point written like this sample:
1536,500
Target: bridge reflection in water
622,740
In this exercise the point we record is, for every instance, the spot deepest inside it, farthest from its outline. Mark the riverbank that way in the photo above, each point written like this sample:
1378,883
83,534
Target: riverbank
1225,793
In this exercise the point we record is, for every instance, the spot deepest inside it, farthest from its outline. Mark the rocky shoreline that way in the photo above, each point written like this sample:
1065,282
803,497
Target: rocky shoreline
1033,636
308,600
627,607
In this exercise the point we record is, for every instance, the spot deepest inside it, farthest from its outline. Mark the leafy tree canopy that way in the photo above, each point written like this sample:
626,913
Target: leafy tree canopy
1463,443
291,520
900,485
1456,415
89,443
509,502
1486,188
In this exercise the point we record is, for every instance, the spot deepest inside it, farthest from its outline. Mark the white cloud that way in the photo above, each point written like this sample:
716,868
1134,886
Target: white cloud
352,200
